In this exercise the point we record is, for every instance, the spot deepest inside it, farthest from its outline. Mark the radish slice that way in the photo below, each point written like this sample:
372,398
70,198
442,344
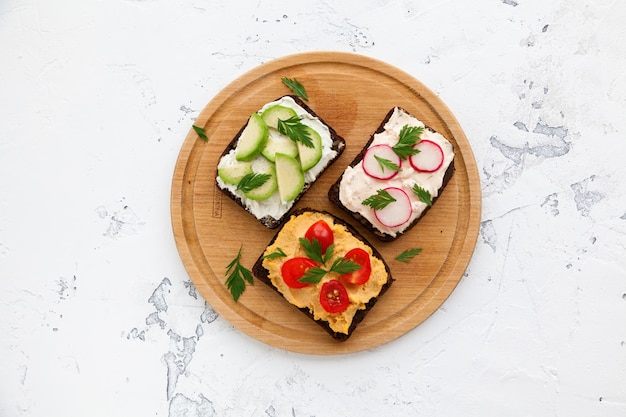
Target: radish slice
429,159
398,212
376,168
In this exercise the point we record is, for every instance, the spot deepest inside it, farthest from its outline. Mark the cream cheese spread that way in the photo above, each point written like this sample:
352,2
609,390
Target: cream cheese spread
273,206
356,185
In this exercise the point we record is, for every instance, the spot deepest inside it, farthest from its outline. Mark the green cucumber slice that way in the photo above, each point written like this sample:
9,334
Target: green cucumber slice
252,139
279,144
309,157
289,177
272,114
232,174
267,189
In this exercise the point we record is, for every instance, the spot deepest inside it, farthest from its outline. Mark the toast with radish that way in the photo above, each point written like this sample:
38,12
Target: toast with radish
397,177
276,157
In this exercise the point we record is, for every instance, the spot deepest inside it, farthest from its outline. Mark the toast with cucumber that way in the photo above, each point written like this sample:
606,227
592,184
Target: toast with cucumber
275,158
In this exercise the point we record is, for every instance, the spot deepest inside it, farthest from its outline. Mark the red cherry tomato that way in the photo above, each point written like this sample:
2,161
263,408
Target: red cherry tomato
361,275
294,269
322,232
334,297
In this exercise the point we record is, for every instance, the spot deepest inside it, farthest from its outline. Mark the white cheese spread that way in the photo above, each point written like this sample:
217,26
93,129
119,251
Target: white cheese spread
356,185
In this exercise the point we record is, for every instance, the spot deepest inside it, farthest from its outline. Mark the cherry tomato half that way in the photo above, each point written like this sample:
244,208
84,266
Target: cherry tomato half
322,232
294,269
334,297
361,275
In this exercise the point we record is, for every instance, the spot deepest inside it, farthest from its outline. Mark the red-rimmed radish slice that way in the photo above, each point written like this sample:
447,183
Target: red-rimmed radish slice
398,212
381,162
430,157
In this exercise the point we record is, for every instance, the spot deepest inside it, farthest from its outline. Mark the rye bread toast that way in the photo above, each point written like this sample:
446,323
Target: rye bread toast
278,216
263,275
334,192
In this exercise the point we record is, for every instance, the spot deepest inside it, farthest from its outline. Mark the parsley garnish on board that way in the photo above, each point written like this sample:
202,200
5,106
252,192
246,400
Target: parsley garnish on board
296,87
379,201
278,253
237,275
409,136
200,132
251,181
408,254
296,130
386,164
423,195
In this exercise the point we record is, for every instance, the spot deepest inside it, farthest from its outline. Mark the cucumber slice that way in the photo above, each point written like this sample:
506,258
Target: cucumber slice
267,189
309,157
232,174
279,144
289,177
272,114
252,139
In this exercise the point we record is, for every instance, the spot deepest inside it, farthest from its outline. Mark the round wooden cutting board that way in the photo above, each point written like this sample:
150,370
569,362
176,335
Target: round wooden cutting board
352,93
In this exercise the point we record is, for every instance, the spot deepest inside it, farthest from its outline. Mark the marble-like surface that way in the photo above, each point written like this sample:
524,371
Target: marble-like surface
99,317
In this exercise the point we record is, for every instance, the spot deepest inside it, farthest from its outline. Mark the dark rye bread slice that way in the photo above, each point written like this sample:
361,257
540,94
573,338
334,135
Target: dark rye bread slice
338,145
333,192
262,275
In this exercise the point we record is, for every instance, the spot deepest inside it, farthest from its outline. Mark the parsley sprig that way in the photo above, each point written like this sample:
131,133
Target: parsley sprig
200,132
340,265
379,201
236,276
409,136
296,87
278,253
251,181
423,195
313,250
408,254
386,164
296,130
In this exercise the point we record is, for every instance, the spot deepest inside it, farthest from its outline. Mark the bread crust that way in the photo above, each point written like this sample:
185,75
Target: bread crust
262,275
338,145
333,192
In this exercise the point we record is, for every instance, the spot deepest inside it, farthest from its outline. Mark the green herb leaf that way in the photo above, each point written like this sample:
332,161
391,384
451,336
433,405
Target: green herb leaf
236,276
313,275
386,163
409,136
408,254
251,181
278,253
339,266
201,133
423,195
379,201
344,266
296,130
296,87
313,250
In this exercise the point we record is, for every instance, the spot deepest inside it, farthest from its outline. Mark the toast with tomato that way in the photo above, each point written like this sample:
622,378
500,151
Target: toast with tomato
397,177
321,265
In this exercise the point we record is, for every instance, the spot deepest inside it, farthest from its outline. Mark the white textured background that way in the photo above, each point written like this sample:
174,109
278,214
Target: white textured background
97,314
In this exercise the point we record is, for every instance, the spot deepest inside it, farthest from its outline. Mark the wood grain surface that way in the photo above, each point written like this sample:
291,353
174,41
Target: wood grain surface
352,93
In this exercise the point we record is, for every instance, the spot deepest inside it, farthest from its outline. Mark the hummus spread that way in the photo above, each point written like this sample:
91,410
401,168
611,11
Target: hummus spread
308,297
